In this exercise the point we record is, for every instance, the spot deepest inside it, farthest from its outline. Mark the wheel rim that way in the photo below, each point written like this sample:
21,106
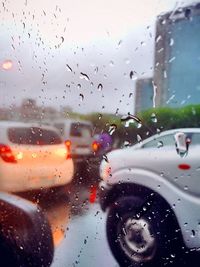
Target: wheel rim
137,240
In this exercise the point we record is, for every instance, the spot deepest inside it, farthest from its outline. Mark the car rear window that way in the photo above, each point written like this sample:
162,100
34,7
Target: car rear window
33,136
80,130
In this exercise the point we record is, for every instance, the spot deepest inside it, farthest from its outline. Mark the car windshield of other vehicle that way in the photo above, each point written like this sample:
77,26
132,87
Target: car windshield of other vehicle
33,136
80,130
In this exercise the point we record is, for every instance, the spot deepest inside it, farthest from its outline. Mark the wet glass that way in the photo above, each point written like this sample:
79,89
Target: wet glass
83,84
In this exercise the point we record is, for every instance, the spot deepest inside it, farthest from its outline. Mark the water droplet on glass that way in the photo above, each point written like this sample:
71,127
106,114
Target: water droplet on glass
193,233
120,42
96,70
185,187
132,75
105,158
100,87
171,59
112,128
79,86
130,95
171,43
81,97
62,39
153,117
159,144
158,38
139,138
69,68
131,119
84,76
126,143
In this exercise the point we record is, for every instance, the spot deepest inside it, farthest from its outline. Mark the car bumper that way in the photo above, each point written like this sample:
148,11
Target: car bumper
20,178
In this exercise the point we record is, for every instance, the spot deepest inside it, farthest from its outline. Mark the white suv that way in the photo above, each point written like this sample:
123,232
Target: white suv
152,194
32,157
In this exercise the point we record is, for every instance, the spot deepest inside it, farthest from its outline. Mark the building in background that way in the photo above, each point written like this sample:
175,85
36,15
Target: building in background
143,94
30,111
177,57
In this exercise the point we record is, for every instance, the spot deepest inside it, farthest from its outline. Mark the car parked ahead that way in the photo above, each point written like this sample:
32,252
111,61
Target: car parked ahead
152,194
32,157
78,137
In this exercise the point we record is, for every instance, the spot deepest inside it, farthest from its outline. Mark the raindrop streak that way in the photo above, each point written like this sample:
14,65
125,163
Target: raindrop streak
100,87
84,76
69,68
153,117
112,128
131,119
154,94
81,97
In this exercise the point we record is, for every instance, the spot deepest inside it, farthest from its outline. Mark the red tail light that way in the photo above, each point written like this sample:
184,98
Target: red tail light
68,146
6,154
95,146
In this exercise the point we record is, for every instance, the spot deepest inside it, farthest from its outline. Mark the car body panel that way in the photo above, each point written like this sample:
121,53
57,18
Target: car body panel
159,169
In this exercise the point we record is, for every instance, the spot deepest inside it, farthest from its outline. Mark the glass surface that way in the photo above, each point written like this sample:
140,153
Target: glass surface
92,78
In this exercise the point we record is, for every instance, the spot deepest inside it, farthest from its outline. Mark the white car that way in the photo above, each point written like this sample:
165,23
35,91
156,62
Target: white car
78,136
32,157
152,194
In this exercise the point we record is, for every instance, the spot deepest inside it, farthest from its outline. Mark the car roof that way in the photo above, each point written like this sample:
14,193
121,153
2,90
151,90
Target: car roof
68,122
8,124
171,131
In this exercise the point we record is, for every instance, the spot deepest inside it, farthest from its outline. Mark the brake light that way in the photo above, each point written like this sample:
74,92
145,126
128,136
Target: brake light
68,146
95,146
6,154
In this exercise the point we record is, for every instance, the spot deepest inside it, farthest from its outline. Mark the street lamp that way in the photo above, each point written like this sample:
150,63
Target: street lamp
7,65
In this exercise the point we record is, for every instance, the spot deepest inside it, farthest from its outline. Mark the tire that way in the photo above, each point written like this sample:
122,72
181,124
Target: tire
143,233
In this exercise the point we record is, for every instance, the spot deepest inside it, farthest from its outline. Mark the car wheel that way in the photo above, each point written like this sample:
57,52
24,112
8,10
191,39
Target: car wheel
142,233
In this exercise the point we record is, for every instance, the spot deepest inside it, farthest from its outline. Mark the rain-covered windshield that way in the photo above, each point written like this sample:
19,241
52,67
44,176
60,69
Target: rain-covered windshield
94,78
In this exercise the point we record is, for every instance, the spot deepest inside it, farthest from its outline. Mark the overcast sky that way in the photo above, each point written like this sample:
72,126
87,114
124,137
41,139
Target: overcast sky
50,44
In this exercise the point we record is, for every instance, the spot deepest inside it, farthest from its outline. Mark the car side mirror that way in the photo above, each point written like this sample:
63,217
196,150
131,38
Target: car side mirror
25,234
182,143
